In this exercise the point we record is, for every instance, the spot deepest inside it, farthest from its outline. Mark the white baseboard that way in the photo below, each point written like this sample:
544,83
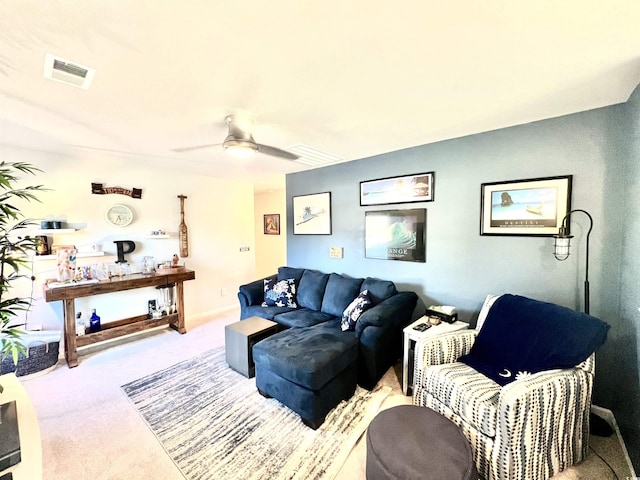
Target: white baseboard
607,415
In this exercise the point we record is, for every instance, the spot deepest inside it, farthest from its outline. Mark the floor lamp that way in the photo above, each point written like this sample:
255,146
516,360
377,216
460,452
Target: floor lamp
562,245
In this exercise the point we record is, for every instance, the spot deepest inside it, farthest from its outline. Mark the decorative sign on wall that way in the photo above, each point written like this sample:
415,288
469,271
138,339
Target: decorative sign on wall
100,189
120,244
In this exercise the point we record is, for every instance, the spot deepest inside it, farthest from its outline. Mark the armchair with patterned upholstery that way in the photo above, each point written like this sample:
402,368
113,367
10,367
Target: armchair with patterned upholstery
524,404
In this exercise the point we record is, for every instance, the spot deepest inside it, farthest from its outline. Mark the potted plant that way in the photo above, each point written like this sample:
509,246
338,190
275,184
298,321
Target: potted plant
15,250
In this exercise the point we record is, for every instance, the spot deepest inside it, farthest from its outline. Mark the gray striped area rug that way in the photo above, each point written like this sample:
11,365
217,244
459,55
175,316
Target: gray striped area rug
214,424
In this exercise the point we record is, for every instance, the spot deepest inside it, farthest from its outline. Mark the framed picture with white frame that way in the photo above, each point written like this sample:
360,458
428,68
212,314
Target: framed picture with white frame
312,214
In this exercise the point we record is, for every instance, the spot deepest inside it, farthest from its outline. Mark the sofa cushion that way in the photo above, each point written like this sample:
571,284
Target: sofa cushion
379,289
265,312
524,336
302,317
339,293
279,294
353,311
290,272
468,393
307,356
311,289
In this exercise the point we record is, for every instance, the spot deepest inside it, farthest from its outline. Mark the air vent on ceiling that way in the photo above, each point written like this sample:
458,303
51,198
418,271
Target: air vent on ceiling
312,156
66,71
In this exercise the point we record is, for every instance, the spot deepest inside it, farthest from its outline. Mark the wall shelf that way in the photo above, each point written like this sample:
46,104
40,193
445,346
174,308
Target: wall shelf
55,231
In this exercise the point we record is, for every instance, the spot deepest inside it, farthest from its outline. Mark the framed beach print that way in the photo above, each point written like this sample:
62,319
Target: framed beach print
405,189
272,224
525,207
312,214
396,234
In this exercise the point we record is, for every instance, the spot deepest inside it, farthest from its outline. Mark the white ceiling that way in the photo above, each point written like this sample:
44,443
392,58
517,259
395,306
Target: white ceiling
351,78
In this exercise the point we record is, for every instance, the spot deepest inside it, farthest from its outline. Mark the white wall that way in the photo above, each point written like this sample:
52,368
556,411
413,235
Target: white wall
271,250
219,215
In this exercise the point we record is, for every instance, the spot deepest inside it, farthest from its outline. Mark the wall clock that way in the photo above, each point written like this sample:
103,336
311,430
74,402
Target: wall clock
119,215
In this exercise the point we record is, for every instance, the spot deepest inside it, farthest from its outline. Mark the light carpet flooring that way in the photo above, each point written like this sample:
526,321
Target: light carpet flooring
90,430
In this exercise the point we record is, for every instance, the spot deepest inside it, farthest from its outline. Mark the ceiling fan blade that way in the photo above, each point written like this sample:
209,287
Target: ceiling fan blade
276,152
195,147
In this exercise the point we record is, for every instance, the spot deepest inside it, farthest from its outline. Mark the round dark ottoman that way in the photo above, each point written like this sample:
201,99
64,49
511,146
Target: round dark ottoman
410,442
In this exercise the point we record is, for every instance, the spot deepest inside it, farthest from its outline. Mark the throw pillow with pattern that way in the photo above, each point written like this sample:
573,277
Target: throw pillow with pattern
280,294
356,308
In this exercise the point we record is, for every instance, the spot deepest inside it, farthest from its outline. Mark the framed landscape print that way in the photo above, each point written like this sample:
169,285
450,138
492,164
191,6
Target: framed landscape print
525,207
406,189
396,234
312,214
272,224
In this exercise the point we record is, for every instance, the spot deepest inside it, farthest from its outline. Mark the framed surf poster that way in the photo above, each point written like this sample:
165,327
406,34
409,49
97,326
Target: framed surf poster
396,234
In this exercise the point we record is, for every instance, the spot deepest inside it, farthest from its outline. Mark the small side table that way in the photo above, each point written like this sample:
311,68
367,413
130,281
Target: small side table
239,339
410,338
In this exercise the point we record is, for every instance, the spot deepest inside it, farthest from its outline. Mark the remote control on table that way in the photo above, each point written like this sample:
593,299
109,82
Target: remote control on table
421,327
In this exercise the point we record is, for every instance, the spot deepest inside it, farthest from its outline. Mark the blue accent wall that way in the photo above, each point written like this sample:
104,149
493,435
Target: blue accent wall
600,148
622,362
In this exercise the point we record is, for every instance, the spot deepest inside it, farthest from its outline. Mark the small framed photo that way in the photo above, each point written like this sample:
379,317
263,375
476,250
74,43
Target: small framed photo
272,224
525,207
405,189
312,214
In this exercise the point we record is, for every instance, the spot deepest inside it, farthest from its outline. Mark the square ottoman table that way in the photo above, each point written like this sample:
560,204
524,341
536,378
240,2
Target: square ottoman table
239,339
310,370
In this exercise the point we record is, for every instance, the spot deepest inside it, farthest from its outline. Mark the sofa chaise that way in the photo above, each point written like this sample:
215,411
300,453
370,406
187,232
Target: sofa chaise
313,363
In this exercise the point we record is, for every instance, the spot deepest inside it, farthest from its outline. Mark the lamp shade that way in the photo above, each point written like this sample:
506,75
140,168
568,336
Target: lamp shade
562,244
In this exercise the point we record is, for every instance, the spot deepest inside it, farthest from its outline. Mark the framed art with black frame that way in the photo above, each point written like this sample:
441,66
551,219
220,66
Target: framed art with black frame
396,234
312,214
405,189
533,207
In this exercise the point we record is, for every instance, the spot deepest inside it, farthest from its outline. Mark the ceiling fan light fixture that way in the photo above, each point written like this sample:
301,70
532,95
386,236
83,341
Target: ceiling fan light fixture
240,148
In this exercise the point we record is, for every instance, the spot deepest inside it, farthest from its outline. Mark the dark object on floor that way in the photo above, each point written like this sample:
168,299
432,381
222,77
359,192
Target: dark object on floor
9,438
599,426
42,348
408,441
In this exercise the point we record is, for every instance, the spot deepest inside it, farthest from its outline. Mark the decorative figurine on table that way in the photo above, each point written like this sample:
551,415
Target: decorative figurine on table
175,260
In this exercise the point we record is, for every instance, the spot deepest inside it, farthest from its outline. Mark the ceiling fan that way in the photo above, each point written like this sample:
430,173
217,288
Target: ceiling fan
240,143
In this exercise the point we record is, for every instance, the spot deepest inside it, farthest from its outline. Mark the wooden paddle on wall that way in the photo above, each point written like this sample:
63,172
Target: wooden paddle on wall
183,231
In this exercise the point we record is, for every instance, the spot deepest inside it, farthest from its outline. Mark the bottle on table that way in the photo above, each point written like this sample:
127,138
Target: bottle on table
94,322
80,325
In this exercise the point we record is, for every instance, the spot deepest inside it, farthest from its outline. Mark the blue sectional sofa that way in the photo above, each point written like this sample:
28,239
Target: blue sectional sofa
322,298
313,363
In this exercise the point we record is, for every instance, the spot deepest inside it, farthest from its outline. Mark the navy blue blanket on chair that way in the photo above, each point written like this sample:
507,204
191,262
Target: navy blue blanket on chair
523,336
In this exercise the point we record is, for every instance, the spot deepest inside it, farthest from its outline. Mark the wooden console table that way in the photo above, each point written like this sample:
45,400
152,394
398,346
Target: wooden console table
120,327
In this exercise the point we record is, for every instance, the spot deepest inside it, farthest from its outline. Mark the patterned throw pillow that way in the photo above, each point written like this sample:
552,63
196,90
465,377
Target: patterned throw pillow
280,294
356,308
